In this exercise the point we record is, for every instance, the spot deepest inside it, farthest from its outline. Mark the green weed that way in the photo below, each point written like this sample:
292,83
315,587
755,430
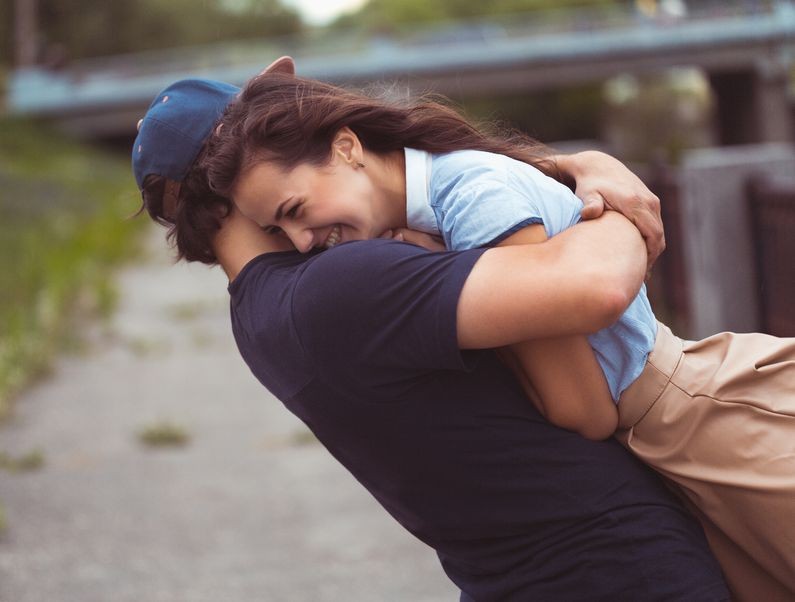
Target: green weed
164,434
64,229
32,460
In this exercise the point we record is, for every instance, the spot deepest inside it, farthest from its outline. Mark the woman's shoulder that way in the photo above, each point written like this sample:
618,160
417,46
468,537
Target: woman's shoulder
468,164
471,162
467,172
474,169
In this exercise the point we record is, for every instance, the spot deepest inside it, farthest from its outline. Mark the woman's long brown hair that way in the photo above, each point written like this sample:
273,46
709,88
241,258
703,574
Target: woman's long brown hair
291,120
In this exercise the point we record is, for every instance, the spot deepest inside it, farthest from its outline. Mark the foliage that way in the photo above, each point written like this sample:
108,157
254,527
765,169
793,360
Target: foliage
63,229
549,115
72,29
391,15
658,116
32,460
164,434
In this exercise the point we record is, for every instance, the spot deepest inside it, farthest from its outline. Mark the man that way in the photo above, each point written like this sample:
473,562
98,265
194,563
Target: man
375,346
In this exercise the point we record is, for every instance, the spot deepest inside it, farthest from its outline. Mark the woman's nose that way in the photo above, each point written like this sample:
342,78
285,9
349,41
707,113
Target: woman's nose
302,238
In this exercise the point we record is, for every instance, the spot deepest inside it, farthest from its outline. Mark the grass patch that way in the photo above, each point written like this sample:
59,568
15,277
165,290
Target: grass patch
63,229
192,310
164,434
303,437
33,460
143,347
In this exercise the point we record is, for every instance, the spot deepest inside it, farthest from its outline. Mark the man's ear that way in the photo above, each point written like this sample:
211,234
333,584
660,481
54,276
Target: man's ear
284,64
347,146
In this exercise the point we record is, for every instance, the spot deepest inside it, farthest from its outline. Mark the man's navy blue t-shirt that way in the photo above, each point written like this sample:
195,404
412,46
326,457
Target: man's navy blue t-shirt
360,343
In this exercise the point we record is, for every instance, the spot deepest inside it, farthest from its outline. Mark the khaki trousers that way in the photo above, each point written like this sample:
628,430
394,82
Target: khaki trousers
716,418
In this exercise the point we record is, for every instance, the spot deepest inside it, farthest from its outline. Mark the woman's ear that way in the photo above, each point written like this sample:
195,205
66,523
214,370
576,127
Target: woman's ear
347,146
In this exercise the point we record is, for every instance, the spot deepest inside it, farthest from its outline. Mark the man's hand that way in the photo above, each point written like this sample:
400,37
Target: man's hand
603,182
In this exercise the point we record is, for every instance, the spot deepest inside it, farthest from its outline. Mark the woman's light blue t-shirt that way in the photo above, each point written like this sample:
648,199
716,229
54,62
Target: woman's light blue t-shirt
475,199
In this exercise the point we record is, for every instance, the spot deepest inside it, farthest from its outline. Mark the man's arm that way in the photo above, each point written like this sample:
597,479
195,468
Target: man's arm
575,283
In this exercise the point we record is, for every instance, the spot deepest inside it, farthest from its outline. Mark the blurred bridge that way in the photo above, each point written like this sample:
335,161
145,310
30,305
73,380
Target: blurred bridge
744,46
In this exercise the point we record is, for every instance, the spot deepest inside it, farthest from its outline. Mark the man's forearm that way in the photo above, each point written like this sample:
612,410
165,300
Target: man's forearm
575,283
603,182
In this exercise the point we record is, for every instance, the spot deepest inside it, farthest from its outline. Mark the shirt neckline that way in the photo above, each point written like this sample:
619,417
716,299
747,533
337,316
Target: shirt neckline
419,213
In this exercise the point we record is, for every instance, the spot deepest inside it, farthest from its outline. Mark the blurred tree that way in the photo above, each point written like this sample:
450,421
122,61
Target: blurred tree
6,32
658,116
84,28
389,15
549,115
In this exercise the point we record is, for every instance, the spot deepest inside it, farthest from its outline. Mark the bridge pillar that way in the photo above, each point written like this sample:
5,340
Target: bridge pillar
752,106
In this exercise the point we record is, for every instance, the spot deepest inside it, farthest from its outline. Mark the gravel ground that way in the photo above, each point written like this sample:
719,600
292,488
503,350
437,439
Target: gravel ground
251,509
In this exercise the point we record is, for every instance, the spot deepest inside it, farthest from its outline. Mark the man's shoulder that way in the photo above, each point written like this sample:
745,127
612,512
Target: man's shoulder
361,260
357,250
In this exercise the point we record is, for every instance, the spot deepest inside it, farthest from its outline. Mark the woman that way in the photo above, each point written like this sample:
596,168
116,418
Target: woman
325,165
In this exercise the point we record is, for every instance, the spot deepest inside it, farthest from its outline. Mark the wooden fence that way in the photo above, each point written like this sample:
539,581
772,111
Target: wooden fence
772,209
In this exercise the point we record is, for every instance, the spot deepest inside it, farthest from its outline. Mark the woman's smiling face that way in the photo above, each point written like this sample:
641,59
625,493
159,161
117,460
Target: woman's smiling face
316,206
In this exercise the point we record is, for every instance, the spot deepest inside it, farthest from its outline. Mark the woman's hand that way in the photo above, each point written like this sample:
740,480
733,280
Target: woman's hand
603,182
415,237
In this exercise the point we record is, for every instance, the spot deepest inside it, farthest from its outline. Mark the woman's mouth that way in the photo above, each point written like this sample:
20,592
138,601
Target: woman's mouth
333,237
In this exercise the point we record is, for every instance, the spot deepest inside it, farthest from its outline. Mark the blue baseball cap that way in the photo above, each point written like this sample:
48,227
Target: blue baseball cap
179,121
176,125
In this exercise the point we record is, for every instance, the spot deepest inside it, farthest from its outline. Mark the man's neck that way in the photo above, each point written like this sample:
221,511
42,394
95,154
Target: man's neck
240,240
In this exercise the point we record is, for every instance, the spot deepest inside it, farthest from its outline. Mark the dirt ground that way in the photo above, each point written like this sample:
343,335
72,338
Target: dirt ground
252,508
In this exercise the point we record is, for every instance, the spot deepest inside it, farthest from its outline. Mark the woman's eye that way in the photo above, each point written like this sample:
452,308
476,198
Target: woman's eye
293,211
272,229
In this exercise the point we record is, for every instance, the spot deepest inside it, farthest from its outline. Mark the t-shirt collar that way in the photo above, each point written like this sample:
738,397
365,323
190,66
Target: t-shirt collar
419,213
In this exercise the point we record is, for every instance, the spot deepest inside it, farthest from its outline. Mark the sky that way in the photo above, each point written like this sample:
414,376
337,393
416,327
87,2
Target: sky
320,12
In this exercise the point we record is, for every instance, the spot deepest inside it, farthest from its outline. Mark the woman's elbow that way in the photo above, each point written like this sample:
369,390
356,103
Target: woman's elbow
599,430
594,427
605,302
615,301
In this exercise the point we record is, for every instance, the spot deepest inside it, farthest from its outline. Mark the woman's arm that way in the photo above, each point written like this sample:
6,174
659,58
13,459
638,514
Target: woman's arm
561,376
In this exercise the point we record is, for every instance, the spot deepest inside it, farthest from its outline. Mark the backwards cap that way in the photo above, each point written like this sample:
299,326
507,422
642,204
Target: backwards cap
179,121
175,126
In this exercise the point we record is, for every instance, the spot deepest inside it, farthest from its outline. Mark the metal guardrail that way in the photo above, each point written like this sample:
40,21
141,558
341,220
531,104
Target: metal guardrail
557,35
547,22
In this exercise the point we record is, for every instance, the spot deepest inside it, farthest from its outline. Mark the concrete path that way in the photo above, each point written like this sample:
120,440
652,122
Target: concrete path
252,509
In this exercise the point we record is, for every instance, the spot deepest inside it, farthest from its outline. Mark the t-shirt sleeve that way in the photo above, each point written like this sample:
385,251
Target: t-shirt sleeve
482,198
381,311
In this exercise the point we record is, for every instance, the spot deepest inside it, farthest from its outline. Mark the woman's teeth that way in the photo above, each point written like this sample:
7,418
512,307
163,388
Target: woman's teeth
333,237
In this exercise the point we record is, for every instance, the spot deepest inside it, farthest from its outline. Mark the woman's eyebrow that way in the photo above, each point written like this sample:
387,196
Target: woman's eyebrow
280,208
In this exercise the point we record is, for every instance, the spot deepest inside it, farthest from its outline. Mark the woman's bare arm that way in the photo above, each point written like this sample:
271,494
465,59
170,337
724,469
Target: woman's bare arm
561,376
